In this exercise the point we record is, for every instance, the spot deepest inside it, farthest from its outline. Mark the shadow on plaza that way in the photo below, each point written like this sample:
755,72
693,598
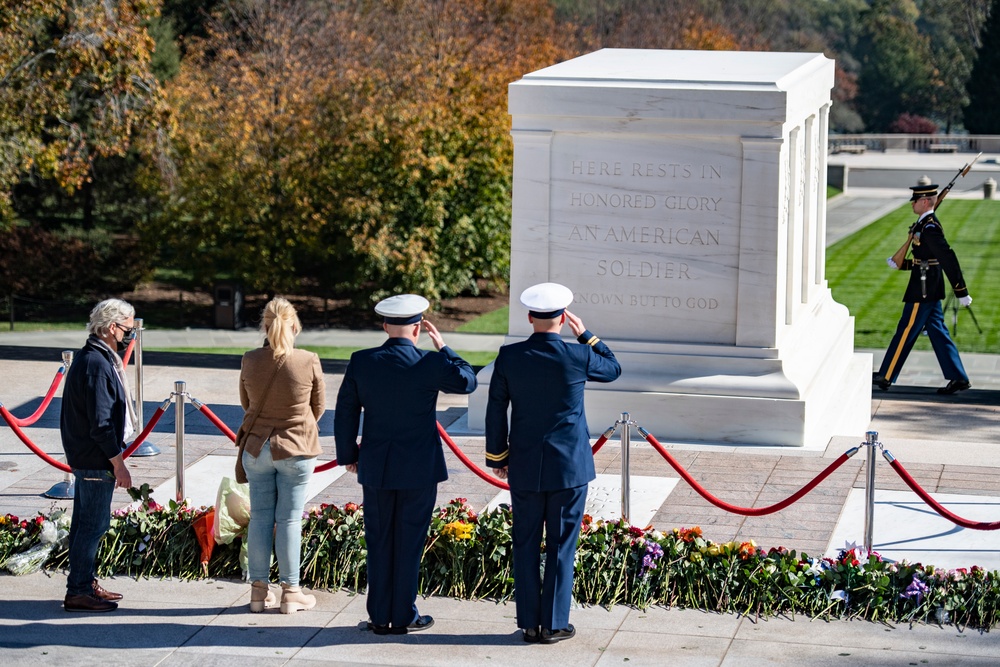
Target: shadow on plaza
986,397
128,628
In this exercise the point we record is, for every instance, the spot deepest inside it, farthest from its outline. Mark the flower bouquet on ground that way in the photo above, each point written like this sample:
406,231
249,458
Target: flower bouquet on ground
51,532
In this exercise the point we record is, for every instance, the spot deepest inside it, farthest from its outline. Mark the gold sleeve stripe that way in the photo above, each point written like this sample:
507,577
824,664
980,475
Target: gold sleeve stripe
496,457
594,340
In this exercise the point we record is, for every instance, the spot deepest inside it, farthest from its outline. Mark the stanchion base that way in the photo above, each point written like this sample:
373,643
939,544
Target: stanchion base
61,491
146,449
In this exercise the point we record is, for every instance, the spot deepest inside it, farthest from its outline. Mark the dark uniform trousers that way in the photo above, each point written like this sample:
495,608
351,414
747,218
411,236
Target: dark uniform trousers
546,448
396,523
917,317
561,512
933,260
400,460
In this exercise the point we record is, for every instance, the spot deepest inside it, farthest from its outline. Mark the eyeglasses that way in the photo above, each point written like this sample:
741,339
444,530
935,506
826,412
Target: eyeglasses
125,330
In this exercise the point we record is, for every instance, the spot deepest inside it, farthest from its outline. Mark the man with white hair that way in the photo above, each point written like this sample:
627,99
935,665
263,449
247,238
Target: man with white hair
96,419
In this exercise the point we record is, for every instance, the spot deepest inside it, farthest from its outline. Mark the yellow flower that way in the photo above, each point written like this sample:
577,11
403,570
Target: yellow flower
459,530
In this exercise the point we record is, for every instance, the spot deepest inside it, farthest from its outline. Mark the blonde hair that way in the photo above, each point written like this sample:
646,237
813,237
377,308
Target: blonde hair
281,325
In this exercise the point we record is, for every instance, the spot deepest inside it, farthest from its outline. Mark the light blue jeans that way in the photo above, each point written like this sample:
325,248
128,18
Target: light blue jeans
277,496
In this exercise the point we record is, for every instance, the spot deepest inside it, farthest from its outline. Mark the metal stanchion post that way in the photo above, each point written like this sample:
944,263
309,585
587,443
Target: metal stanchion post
871,440
625,422
146,448
179,430
65,489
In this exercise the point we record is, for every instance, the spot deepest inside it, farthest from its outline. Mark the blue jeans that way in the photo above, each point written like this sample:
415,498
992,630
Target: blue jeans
277,496
92,493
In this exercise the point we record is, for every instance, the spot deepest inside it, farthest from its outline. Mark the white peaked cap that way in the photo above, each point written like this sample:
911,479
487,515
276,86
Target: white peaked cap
546,297
402,308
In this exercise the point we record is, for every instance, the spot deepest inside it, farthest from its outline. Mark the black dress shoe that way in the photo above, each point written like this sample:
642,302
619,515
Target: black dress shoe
422,623
378,629
880,382
954,386
531,635
88,603
553,636
102,594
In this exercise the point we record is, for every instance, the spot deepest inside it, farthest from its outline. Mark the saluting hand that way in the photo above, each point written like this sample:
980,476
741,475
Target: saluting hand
434,334
575,324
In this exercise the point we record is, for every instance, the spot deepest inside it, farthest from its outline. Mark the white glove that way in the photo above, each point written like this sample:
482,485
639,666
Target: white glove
892,264
965,301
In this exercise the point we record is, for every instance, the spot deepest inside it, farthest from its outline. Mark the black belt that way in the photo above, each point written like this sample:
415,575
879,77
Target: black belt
924,264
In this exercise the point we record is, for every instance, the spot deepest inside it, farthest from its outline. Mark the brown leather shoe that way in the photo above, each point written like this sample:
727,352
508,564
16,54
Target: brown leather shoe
101,594
88,603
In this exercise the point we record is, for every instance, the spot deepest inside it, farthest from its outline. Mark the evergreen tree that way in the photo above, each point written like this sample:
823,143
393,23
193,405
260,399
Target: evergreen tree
896,74
982,116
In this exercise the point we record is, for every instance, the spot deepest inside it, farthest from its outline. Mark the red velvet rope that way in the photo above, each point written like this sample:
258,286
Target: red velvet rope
59,464
128,352
745,511
212,417
936,506
482,474
150,425
326,466
28,421
32,446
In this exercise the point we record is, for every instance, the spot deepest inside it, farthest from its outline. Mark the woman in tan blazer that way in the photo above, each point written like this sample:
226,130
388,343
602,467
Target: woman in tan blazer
285,387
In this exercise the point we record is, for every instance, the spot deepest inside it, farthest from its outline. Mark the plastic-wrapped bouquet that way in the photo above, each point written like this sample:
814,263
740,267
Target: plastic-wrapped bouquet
54,533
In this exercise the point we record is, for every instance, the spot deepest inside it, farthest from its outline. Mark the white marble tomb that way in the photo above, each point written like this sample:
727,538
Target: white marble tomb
681,195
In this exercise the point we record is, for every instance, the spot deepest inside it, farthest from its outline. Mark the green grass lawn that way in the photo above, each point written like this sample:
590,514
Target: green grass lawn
859,278
489,323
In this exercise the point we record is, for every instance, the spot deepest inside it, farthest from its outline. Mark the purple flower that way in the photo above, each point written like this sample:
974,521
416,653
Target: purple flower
917,589
653,553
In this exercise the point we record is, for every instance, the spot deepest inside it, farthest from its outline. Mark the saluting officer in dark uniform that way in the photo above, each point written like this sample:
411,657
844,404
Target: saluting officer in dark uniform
922,300
399,462
545,453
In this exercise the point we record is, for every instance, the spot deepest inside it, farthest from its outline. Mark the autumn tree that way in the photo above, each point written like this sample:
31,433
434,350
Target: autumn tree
644,24
246,119
75,84
358,147
426,175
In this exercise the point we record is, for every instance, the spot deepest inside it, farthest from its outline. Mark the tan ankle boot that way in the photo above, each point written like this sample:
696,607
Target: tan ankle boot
293,599
261,597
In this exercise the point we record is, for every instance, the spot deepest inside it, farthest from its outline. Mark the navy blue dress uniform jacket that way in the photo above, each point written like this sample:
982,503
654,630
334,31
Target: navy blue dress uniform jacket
397,385
92,418
929,244
547,445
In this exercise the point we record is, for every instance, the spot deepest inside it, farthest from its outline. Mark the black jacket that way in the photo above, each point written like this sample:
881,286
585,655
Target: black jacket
930,245
92,419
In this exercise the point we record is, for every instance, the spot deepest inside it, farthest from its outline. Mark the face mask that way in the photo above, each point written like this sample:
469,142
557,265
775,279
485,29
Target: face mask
127,338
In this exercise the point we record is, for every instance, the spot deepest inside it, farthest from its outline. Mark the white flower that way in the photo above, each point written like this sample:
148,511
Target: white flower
839,595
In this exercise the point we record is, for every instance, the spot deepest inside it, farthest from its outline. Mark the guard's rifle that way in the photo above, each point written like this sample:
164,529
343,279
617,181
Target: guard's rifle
900,254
